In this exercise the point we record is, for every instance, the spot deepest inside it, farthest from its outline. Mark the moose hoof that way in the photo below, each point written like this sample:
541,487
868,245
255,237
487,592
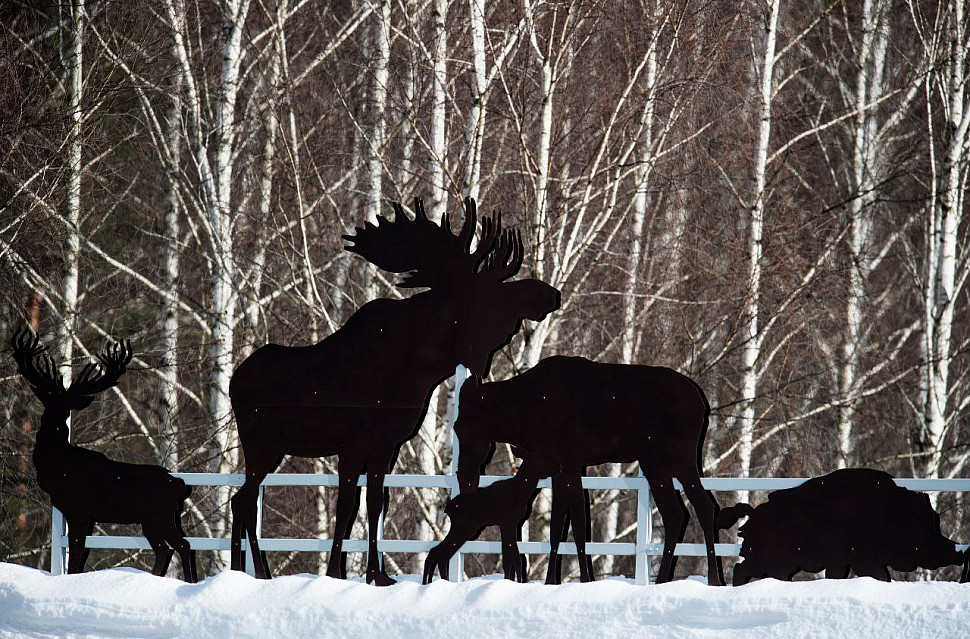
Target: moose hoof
379,578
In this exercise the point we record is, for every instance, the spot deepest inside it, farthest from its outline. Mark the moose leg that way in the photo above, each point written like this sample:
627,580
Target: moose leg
578,501
376,499
87,551
706,509
244,505
837,571
175,537
557,530
674,516
348,502
190,572
163,554
77,529
511,560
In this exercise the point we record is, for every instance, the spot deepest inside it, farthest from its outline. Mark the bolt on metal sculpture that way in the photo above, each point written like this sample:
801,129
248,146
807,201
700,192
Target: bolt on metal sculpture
84,484
363,391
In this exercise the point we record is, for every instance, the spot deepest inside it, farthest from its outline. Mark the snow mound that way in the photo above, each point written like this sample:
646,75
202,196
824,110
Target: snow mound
129,603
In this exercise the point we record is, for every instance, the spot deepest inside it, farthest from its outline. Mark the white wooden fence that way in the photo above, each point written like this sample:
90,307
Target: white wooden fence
643,548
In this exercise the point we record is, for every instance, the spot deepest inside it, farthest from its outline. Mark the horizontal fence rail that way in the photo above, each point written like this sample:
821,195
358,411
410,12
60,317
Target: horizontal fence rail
643,548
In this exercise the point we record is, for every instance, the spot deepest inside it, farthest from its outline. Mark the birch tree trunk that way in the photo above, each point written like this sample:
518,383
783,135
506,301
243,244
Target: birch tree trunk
72,248
72,209
946,218
380,50
432,427
168,361
750,333
475,123
868,88
223,453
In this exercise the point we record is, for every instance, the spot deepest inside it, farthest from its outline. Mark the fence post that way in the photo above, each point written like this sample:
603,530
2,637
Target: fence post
59,552
456,565
250,560
644,530
58,549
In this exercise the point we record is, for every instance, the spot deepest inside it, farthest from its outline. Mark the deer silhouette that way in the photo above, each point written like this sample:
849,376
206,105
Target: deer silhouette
362,392
506,504
83,484
579,413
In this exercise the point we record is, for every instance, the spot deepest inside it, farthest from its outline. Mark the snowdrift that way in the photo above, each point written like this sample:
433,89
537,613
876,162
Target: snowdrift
130,603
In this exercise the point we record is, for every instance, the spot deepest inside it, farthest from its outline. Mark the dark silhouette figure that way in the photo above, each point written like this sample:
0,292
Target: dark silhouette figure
362,392
506,504
853,519
87,486
578,413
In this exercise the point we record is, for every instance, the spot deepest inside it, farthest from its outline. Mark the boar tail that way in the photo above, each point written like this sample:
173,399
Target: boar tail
965,577
730,515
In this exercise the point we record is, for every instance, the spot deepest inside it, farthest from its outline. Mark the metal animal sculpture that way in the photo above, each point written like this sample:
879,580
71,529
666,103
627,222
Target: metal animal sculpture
506,504
578,413
854,519
362,392
83,484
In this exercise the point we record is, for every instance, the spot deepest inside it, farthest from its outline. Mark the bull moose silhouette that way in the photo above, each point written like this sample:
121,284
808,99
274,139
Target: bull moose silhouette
578,413
84,484
362,392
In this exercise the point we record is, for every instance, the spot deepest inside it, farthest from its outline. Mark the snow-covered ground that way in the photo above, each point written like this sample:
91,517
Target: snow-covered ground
129,603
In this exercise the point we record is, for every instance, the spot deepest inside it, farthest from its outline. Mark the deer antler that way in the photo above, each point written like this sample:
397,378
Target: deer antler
95,378
35,365
431,255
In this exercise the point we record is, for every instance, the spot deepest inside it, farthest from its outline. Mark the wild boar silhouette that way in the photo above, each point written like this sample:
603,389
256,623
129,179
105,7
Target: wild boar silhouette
854,519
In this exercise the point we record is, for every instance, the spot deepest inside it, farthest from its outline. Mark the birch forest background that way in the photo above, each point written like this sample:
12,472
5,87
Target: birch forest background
767,195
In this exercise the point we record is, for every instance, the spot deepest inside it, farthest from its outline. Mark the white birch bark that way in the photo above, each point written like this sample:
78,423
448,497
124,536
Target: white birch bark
750,331
946,217
167,406
436,169
223,454
475,123
72,209
868,89
432,427
380,50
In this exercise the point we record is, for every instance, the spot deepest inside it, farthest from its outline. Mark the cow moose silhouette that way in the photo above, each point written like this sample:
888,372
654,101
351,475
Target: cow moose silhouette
507,504
578,413
854,519
362,392
84,484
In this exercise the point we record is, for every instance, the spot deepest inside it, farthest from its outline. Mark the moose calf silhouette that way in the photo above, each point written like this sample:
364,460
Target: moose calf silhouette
507,504
852,519
86,486
578,413
363,391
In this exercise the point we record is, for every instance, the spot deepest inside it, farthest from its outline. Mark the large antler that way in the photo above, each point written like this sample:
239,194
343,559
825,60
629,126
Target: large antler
431,255
35,365
95,378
